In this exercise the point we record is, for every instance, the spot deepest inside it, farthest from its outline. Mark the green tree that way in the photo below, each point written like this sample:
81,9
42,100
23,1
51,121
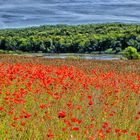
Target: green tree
131,53
24,44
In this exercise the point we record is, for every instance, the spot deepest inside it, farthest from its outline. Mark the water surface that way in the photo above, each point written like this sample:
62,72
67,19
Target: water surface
84,56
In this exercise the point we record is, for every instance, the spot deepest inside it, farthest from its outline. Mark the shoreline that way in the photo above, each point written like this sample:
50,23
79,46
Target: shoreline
94,56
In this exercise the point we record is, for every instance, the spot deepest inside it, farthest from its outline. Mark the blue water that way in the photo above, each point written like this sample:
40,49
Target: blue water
21,13
84,56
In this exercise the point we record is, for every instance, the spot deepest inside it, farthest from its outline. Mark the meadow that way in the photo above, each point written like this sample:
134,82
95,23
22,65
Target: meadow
69,99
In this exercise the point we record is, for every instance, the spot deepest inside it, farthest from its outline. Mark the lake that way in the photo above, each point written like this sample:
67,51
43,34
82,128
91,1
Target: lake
22,13
85,56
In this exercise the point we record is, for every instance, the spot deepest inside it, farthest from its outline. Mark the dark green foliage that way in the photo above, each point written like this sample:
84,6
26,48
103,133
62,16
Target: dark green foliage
75,39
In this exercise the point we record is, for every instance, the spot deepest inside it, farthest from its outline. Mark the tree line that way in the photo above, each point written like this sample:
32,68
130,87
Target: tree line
71,39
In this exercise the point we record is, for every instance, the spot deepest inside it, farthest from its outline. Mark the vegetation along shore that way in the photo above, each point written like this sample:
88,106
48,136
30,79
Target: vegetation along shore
90,38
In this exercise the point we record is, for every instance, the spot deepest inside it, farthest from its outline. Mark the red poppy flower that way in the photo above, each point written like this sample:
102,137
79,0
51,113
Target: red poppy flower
117,130
27,115
133,134
89,97
22,123
124,131
63,129
62,114
1,108
75,129
90,102
100,134
50,134
105,125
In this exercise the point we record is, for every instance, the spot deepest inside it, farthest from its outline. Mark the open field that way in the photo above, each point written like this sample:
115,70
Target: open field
69,99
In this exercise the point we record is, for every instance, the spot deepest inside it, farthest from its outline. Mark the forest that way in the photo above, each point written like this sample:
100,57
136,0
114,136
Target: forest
87,38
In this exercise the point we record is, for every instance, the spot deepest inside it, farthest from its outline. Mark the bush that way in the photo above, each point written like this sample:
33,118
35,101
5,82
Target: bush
73,57
131,53
109,51
2,52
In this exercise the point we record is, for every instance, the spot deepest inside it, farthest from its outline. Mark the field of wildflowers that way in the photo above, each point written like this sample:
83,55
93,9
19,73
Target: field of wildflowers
69,99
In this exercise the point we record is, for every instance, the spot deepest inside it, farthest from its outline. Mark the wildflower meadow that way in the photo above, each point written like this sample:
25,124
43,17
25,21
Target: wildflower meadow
70,99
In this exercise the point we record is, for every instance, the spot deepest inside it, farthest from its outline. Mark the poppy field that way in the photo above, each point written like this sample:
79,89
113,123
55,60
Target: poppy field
42,99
